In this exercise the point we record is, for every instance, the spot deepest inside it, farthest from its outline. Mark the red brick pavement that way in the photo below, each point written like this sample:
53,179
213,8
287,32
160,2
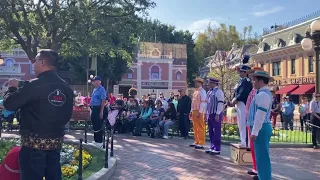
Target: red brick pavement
144,158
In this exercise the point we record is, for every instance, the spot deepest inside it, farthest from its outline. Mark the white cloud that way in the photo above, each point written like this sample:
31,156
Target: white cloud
200,25
243,19
266,12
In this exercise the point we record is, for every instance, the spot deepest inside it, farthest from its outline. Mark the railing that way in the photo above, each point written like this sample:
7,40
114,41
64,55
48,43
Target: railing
10,69
292,23
230,133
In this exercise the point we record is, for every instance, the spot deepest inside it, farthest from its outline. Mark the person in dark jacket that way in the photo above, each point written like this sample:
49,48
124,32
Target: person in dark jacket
46,105
241,94
183,109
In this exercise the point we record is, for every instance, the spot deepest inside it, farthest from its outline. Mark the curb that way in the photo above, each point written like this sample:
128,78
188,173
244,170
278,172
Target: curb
104,173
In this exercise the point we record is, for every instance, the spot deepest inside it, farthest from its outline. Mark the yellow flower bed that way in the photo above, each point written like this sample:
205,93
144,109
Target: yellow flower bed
69,170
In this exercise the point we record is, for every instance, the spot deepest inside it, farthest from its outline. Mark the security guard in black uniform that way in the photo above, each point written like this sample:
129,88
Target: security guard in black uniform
45,105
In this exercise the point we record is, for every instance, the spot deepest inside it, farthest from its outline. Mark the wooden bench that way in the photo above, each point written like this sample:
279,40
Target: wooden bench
240,155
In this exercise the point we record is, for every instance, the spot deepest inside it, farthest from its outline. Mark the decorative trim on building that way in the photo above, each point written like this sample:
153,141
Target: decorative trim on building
154,60
179,70
292,38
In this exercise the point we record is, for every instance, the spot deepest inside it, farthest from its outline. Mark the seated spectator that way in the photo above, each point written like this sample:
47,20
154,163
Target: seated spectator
156,116
169,117
9,169
175,101
132,115
144,118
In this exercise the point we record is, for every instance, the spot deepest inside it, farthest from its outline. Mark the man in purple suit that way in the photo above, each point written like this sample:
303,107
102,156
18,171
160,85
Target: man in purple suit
214,115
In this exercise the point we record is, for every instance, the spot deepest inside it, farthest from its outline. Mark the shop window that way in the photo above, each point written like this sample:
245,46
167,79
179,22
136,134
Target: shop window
310,63
293,66
276,69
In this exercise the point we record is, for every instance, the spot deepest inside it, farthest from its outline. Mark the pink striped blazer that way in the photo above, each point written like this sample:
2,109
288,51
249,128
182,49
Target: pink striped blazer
249,99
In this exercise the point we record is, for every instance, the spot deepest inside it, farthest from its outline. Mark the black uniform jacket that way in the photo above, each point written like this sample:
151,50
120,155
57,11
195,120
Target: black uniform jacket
45,103
243,90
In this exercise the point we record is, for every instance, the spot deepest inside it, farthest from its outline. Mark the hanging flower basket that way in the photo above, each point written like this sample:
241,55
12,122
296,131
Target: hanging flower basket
81,113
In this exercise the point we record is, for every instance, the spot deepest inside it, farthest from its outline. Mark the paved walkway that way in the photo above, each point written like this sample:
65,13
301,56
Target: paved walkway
145,158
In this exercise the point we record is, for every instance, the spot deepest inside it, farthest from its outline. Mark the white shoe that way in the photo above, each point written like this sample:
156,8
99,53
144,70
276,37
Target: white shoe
165,137
242,145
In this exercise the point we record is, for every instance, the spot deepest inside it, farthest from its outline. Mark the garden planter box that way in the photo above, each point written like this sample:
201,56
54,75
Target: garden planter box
81,113
240,155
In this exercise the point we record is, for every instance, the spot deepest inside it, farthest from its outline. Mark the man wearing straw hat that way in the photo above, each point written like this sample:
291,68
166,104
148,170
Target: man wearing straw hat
249,99
259,122
240,98
215,100
198,107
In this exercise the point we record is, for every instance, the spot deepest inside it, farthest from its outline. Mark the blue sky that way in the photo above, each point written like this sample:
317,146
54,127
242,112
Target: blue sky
195,15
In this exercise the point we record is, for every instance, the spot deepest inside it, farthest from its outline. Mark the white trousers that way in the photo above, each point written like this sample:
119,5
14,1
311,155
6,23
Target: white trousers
241,120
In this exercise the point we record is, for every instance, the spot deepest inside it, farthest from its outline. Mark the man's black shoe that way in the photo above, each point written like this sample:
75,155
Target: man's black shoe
199,147
251,172
255,178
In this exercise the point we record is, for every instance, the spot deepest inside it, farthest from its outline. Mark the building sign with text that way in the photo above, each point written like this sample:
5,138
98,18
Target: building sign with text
154,85
301,80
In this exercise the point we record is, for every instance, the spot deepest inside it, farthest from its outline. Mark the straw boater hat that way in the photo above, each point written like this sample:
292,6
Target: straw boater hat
252,70
213,80
9,169
261,73
198,79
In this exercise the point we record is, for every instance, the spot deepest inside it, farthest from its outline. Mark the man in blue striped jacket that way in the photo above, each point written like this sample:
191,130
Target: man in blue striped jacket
259,122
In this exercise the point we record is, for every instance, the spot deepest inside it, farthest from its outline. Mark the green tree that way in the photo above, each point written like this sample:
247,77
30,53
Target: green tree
227,76
49,24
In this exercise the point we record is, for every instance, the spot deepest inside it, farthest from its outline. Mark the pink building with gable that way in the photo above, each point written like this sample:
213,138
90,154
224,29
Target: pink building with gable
157,68
16,65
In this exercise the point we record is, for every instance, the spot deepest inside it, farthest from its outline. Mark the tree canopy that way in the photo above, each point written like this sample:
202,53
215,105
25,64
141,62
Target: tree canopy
51,23
217,42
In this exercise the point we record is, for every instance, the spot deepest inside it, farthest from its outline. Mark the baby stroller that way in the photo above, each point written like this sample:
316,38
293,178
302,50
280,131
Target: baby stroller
114,116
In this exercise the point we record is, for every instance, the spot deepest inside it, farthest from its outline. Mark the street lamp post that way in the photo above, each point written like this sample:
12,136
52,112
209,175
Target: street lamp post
312,41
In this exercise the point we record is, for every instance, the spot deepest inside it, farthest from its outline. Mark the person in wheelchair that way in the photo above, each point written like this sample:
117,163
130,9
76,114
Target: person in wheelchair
7,116
169,118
